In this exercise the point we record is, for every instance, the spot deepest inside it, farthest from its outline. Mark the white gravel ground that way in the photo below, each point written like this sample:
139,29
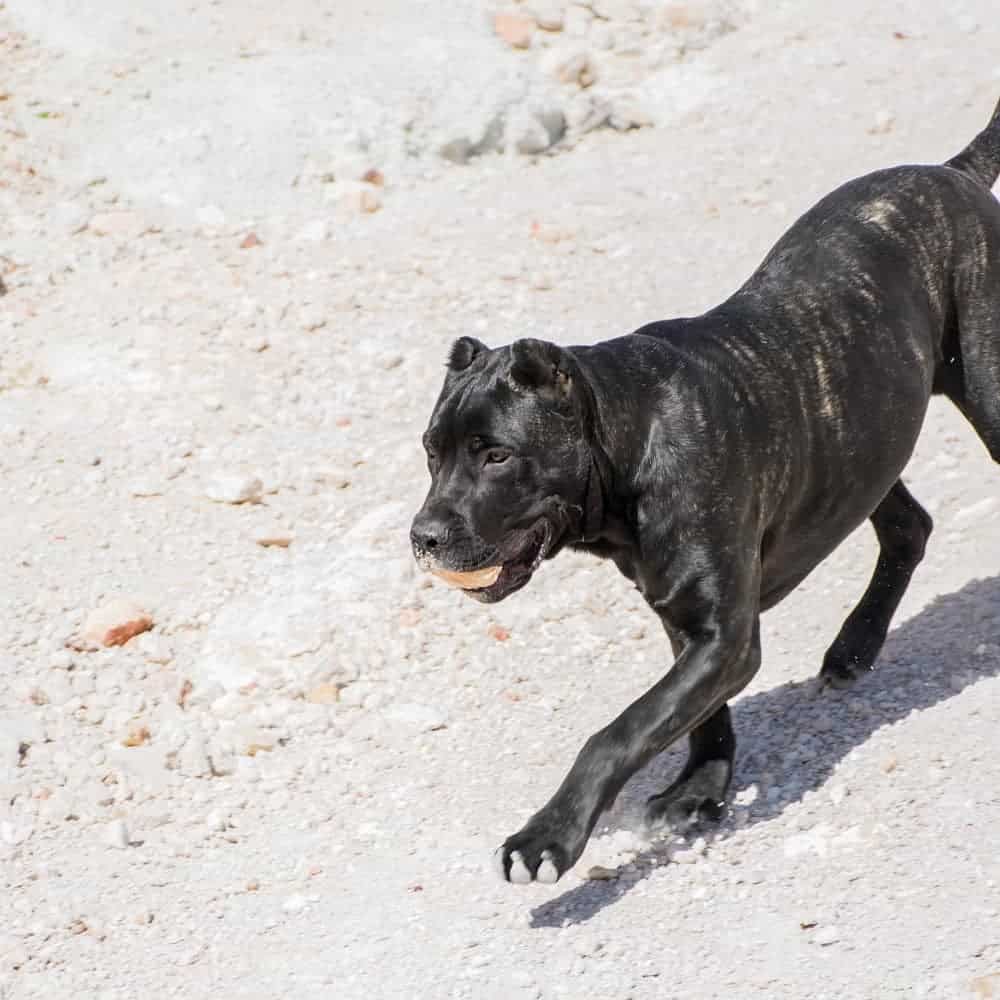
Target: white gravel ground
292,785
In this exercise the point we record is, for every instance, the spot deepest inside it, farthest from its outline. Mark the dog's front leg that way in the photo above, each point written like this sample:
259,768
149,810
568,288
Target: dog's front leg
716,662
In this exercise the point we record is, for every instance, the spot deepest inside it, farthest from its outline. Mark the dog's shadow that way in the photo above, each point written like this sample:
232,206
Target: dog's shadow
791,737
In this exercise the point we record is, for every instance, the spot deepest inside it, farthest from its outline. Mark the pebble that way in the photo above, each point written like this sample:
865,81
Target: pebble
571,64
211,215
826,936
549,15
315,231
424,718
295,904
514,29
216,821
117,621
324,694
274,538
116,834
126,225
234,488
359,197
599,873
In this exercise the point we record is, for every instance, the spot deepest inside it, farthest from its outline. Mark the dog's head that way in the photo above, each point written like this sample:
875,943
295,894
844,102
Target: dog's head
510,462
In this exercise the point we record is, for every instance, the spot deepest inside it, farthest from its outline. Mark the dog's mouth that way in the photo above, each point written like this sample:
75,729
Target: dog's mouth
493,583
517,570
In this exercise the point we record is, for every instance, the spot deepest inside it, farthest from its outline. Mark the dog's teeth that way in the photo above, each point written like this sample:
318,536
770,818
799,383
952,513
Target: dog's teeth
547,871
519,873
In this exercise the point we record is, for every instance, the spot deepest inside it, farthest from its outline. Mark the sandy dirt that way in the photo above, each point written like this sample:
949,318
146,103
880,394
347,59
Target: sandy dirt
235,257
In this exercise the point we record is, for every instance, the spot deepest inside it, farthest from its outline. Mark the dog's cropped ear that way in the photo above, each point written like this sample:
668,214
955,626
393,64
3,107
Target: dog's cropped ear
539,365
463,352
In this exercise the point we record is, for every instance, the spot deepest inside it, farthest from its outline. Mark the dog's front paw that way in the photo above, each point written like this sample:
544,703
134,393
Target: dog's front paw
542,852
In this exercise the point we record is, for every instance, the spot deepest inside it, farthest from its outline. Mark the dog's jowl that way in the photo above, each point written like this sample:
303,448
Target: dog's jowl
717,460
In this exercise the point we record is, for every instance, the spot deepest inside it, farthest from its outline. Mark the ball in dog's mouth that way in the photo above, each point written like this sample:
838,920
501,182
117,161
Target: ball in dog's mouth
473,579
492,583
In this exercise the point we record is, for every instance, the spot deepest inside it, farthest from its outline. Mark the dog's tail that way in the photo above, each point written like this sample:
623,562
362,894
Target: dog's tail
981,158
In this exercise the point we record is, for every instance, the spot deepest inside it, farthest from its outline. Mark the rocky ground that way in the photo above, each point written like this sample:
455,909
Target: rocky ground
236,244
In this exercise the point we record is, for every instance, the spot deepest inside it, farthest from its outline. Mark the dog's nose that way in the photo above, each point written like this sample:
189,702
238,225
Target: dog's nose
428,532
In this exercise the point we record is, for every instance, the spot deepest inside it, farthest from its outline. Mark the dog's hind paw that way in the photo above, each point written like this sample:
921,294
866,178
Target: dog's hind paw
840,675
699,797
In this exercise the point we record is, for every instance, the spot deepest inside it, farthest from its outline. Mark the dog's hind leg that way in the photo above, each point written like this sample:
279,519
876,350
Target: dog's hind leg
700,790
902,527
969,374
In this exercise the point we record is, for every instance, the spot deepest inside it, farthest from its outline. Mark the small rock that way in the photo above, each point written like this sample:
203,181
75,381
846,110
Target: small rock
826,936
13,954
216,821
514,29
498,632
616,10
577,21
374,176
275,539
627,114
549,15
358,196
685,857
211,215
144,488
312,318
553,120
184,692
315,231
421,717
602,36
986,987
126,225
234,488
599,873
548,233
114,623
193,761
249,241
457,150
884,121
324,694
136,736
116,834
889,765
527,134
155,649
976,511
571,64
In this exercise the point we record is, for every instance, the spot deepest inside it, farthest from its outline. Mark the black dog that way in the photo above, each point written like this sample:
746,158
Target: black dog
718,460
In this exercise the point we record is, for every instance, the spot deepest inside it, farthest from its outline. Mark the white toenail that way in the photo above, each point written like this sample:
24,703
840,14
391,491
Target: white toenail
519,873
547,871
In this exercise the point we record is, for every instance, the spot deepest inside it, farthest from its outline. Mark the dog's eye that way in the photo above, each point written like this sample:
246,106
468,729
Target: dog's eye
495,456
